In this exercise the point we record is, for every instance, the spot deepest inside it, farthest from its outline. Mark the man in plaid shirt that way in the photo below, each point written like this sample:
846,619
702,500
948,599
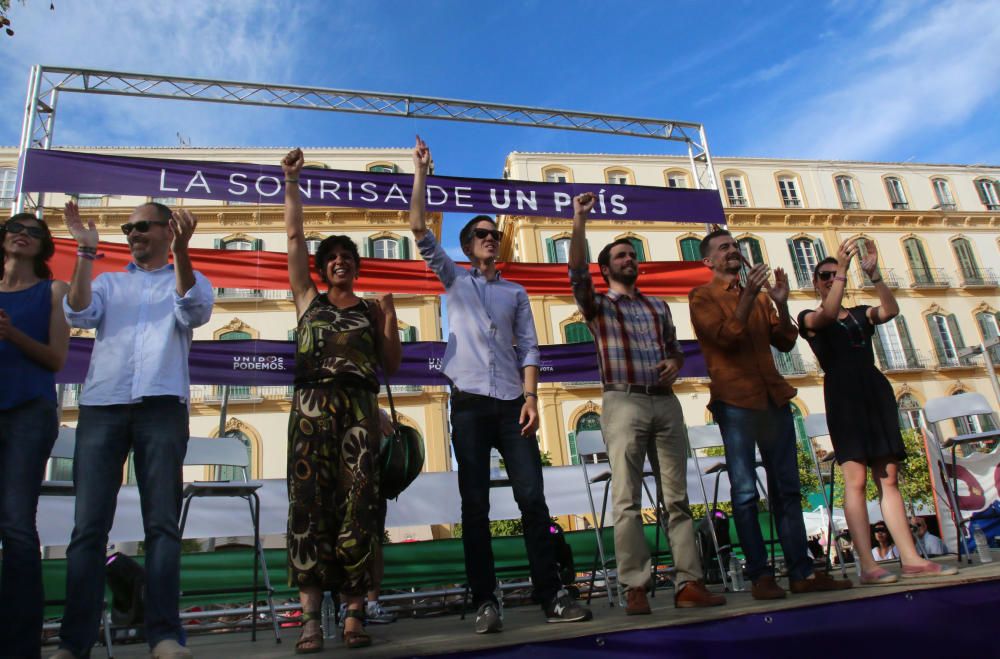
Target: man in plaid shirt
639,358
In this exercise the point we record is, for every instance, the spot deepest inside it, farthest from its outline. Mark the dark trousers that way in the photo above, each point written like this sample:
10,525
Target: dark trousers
27,433
773,431
156,429
479,424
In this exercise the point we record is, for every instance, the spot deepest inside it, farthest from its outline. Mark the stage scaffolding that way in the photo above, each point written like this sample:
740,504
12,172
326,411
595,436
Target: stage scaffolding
47,83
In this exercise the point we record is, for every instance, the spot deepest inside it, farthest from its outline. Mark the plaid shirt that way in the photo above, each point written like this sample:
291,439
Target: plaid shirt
633,335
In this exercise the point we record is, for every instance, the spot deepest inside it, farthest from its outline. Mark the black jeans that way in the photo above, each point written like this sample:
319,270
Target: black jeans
478,424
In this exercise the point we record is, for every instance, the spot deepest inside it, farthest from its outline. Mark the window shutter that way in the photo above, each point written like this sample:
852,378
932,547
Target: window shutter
218,243
640,253
880,351
691,249
820,250
410,334
293,335
369,248
755,252
571,441
578,333
963,252
257,244
956,337
404,248
550,250
795,261
942,355
906,342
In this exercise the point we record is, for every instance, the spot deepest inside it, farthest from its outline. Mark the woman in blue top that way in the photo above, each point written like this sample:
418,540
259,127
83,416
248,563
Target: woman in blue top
34,338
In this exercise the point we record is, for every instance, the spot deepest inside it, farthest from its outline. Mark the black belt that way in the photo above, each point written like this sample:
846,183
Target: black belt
648,389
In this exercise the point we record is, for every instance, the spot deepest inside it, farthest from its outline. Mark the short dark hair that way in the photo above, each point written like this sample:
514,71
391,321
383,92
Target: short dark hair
163,212
604,258
325,251
706,242
42,270
827,261
465,235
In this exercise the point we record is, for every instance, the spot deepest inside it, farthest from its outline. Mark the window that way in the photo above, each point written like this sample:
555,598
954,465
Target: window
691,249
917,259
240,391
242,245
750,249
638,248
897,196
387,247
989,327
408,334
893,346
806,253
618,177
846,192
89,200
735,191
911,416
589,421
312,244
971,274
8,178
383,169
788,363
789,188
556,176
989,193
946,201
557,250
947,339
677,180
578,333
966,425
227,473
166,201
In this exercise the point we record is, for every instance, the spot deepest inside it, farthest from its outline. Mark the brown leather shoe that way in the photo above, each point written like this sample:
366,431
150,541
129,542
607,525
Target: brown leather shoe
766,588
693,594
636,603
821,582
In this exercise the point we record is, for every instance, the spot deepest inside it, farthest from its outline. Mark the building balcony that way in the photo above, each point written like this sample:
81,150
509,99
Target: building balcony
234,294
403,389
738,202
239,395
929,278
901,361
946,362
900,205
850,205
803,281
888,276
790,364
792,203
978,278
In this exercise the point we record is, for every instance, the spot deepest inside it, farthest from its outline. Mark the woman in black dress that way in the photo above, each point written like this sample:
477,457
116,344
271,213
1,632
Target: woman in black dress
861,408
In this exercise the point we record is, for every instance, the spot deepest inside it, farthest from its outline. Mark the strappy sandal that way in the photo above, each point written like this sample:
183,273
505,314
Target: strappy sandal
310,643
354,640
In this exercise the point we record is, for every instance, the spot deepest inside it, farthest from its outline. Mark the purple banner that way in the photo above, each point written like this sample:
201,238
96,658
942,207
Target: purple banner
88,173
264,363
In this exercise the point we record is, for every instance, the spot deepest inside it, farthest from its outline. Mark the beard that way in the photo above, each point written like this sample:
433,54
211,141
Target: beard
624,278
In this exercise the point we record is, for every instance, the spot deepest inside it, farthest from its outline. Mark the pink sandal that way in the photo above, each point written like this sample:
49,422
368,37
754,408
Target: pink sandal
878,577
931,569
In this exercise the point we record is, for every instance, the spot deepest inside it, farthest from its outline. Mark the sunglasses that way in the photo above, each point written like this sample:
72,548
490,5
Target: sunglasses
142,226
823,275
17,227
881,530
482,233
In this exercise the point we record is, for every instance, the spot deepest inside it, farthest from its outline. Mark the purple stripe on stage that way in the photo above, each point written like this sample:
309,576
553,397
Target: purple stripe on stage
76,172
264,363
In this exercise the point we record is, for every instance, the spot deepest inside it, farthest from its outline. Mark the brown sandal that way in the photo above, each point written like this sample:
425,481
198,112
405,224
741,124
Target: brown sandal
310,643
354,640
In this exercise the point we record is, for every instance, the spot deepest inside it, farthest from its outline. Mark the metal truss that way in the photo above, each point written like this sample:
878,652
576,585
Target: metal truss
46,83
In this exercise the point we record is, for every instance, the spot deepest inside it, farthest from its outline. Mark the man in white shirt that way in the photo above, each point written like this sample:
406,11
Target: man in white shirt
135,397
933,545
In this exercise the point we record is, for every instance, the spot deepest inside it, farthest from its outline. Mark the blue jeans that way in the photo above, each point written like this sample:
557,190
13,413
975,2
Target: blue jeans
773,430
27,433
156,429
478,424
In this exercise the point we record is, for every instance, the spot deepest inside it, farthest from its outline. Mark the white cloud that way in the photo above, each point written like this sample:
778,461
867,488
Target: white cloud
939,69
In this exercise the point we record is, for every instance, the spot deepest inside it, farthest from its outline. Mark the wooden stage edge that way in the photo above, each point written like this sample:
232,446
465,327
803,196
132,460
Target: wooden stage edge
526,624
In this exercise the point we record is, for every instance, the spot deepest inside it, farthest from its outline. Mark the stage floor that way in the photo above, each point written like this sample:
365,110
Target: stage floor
525,625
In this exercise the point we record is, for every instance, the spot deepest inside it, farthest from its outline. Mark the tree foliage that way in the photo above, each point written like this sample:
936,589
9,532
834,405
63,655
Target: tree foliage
914,476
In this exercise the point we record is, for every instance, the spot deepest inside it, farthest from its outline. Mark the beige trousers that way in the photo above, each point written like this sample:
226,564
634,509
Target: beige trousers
636,425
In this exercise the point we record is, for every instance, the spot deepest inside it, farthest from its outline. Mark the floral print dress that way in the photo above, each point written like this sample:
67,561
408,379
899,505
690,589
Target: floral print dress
333,442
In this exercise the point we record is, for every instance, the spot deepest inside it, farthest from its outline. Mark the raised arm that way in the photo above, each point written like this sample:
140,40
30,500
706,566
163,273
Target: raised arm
183,224
303,288
829,310
418,209
783,329
387,331
583,285
887,308
51,355
87,238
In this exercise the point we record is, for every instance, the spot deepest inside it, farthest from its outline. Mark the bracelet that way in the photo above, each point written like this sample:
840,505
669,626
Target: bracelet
840,278
291,180
86,248
89,255
528,394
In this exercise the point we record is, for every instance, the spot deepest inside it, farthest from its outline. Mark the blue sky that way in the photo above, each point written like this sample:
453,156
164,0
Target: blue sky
845,79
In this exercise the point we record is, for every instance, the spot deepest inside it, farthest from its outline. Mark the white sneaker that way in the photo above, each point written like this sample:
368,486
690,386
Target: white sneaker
376,615
170,649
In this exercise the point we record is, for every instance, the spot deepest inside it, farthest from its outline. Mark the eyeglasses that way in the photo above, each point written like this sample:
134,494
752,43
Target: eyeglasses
142,226
17,227
823,275
482,233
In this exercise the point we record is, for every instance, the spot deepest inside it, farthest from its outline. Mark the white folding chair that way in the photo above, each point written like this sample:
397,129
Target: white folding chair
951,407
589,446
710,436
230,452
816,427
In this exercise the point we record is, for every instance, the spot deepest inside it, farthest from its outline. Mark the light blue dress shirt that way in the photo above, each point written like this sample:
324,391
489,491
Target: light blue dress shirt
144,332
491,330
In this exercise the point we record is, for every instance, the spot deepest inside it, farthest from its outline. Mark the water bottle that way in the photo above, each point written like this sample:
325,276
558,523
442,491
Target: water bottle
982,545
736,573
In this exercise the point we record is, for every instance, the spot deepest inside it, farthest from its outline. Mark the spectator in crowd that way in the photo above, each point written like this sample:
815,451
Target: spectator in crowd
932,545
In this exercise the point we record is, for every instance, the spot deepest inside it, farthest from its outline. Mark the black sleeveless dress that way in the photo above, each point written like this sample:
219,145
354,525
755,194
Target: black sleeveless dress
860,405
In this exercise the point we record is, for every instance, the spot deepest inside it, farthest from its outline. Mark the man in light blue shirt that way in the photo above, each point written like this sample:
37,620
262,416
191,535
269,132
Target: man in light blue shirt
492,362
135,397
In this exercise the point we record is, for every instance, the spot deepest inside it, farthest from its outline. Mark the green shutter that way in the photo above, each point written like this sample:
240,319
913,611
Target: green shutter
257,244
942,355
879,349
578,333
550,250
795,262
755,254
293,335
640,253
906,342
410,334
369,248
573,456
918,260
404,248
691,249
820,250
966,261
218,243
